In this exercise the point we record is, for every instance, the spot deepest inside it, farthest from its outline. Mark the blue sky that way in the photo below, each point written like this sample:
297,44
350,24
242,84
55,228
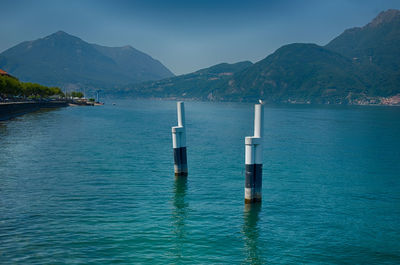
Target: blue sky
189,35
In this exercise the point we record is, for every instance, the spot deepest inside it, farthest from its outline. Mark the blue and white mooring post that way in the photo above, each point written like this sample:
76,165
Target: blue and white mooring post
253,158
179,142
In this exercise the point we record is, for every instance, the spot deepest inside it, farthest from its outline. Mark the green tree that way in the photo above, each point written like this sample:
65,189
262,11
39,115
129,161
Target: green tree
11,87
75,94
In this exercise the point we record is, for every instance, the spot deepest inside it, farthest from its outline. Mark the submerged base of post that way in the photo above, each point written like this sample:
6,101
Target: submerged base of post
181,174
254,200
253,183
180,162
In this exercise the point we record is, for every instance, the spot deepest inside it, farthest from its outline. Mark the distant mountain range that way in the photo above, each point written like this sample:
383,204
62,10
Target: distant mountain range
67,61
360,65
200,84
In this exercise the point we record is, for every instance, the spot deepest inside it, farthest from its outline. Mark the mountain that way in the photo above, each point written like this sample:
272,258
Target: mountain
360,65
297,72
378,42
375,48
65,60
199,85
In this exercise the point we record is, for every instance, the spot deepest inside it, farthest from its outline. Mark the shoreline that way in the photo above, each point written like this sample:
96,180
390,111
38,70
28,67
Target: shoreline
9,110
273,103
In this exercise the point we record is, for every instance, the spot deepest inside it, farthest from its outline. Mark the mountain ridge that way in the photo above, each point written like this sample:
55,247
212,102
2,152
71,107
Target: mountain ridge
63,59
361,65
200,83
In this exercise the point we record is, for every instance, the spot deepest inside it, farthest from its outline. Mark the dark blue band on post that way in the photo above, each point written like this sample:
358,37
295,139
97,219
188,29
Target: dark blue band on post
253,177
180,156
180,161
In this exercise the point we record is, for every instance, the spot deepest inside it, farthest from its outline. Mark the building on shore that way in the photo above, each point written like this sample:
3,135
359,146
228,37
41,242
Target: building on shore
4,73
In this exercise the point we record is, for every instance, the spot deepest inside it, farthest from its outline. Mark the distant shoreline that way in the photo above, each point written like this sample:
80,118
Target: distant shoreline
382,103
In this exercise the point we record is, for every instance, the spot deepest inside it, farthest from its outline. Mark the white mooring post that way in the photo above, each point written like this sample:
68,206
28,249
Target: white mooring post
253,158
179,142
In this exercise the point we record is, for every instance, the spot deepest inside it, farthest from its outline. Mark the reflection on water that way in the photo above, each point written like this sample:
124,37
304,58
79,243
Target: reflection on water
72,182
179,214
3,129
251,233
28,119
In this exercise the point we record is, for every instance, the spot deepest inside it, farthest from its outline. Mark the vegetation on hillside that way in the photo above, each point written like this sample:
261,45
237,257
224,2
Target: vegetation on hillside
375,50
297,72
199,84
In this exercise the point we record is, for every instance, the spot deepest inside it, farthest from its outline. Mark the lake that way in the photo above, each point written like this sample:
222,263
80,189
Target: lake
96,185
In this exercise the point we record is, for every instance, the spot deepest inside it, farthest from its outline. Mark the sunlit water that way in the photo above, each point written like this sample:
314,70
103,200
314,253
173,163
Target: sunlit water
95,185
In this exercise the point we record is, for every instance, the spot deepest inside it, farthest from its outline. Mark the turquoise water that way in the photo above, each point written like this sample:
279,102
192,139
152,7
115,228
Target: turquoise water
95,185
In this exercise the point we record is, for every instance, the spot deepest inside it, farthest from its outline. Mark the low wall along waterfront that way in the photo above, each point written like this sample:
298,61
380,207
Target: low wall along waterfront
13,109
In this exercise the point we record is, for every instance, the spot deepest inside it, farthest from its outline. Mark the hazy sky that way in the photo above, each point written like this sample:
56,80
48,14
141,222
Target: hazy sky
186,35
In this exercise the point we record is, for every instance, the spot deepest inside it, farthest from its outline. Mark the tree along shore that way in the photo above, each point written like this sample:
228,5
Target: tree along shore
11,89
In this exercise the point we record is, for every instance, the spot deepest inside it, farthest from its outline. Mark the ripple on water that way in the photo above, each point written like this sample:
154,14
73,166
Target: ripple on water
96,185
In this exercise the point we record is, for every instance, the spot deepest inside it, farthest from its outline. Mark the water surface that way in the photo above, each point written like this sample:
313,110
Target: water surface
95,185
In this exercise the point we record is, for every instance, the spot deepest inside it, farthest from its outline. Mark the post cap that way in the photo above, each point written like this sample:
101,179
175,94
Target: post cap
251,140
178,129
